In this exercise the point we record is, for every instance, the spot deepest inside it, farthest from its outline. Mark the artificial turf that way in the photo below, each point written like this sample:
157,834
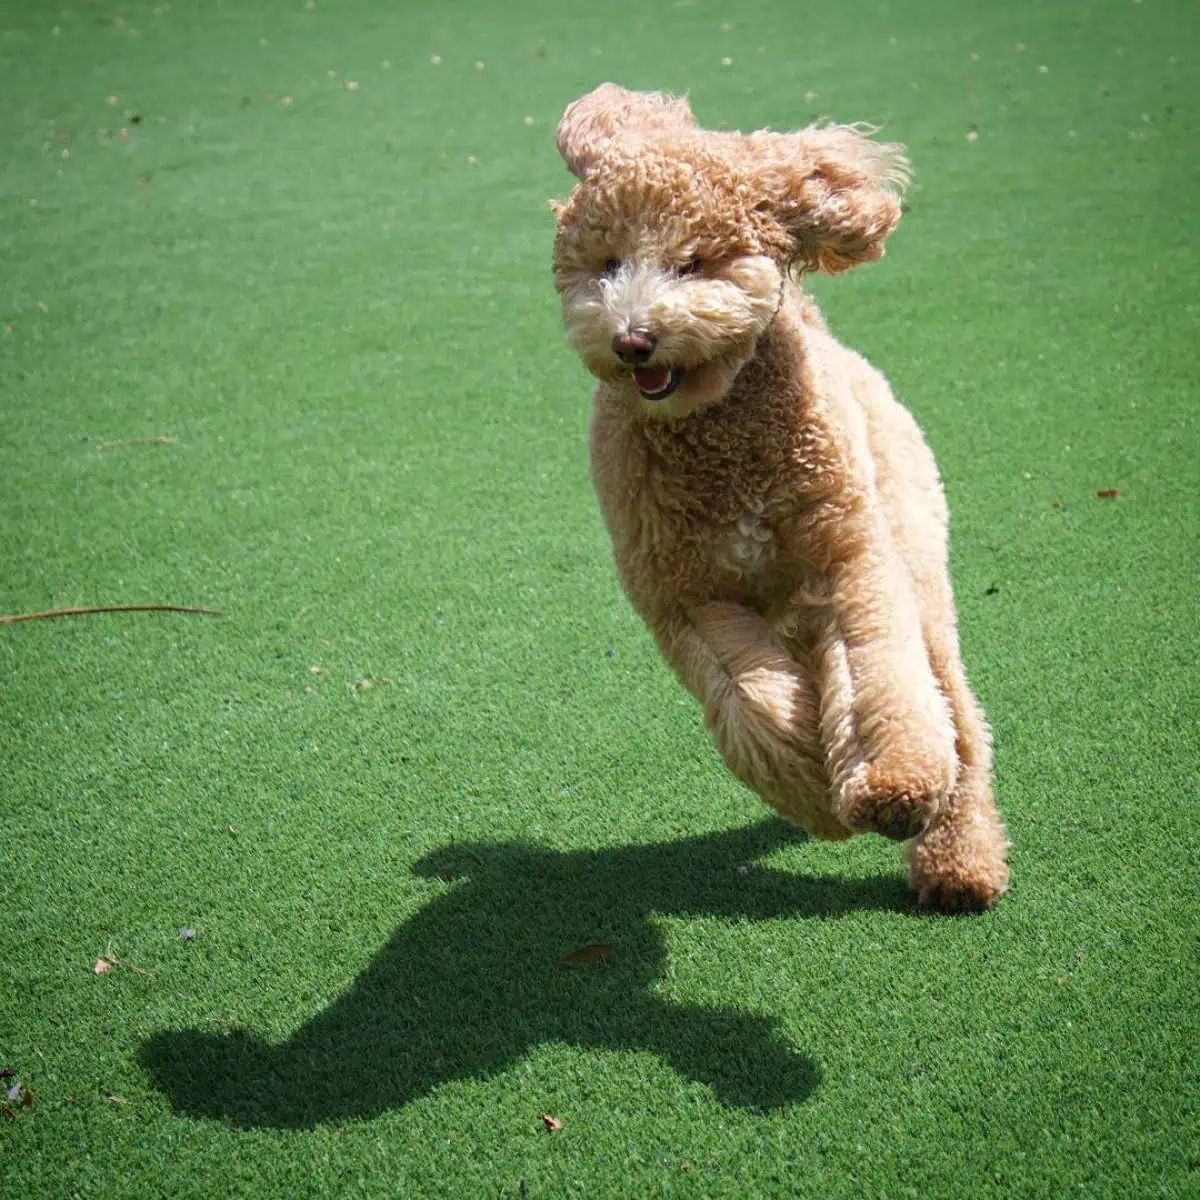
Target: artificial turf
428,750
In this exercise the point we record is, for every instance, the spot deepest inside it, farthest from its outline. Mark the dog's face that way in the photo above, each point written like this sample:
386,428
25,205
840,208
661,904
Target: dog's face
671,253
664,288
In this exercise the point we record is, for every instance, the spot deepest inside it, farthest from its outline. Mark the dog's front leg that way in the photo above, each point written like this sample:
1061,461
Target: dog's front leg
759,706
886,723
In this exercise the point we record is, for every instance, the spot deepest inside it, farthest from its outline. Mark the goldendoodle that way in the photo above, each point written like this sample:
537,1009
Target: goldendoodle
776,516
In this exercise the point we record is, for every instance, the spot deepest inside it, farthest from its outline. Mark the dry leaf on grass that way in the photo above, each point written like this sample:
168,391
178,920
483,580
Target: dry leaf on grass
552,1124
1108,493
108,961
594,954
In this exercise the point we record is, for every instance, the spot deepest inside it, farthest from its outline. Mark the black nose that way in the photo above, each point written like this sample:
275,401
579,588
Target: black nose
636,346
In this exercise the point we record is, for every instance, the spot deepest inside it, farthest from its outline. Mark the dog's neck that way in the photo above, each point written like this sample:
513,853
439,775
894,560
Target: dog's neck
767,372
781,351
730,450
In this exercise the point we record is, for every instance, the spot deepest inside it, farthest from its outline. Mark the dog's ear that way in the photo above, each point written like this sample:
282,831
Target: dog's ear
594,121
834,191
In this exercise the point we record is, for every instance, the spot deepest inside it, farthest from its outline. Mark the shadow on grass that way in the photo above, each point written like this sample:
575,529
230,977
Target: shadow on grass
472,983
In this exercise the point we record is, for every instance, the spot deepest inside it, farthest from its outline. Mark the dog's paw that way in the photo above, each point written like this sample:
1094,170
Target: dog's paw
895,799
959,896
899,816
959,870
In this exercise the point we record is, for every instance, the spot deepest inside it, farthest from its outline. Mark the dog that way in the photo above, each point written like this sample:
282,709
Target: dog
776,516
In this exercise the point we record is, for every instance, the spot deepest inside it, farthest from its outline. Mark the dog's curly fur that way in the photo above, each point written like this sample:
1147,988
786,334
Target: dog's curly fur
776,516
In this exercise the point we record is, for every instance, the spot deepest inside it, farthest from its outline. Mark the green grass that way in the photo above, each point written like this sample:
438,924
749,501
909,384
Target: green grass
341,309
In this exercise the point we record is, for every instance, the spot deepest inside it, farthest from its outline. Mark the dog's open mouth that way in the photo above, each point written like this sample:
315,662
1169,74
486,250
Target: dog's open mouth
657,383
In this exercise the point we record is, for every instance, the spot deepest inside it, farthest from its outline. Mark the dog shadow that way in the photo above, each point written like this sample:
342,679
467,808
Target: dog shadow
473,982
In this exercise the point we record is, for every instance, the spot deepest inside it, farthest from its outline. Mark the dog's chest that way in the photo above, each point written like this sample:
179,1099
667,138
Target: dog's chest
747,547
724,531
704,510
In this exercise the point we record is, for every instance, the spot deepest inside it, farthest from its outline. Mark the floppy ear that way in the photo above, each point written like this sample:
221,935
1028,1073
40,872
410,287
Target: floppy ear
834,191
597,119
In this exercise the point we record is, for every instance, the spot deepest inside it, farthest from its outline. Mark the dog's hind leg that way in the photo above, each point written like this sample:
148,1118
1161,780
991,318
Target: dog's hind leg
958,862
760,707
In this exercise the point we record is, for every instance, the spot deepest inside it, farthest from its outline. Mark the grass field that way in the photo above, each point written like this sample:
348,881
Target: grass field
428,750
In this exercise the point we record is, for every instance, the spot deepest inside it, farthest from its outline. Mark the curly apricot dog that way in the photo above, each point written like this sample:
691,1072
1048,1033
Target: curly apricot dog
776,516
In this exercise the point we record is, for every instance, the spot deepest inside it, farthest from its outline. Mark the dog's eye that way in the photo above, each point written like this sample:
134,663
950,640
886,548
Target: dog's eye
691,267
612,267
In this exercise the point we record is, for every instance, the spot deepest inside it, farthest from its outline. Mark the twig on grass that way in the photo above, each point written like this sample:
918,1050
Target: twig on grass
51,614
161,439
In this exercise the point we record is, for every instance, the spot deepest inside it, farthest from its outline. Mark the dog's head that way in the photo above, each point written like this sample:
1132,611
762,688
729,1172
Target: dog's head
672,251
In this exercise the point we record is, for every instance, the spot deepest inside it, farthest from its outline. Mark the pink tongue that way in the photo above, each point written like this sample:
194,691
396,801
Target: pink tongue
652,379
